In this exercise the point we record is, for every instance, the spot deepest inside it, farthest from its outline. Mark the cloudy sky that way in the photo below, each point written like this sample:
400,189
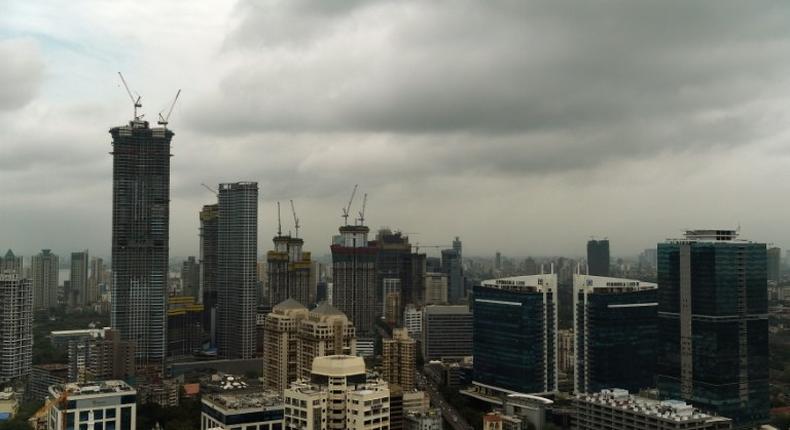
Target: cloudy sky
522,126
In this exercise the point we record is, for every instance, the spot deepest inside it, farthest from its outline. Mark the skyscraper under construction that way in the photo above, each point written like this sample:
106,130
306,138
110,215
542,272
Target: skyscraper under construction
140,235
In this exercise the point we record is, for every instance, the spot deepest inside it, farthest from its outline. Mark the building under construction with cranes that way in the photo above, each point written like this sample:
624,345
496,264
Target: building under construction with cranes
354,272
140,233
288,267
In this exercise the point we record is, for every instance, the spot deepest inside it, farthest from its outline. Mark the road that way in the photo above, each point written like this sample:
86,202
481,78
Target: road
450,414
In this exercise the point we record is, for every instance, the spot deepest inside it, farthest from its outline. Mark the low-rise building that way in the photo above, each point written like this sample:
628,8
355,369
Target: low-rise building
616,408
428,420
105,404
261,410
9,404
44,376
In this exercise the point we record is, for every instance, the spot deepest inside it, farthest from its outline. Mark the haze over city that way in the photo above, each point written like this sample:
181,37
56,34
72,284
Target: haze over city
614,119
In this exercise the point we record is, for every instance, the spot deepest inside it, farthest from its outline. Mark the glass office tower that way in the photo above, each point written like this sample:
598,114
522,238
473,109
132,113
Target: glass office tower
713,324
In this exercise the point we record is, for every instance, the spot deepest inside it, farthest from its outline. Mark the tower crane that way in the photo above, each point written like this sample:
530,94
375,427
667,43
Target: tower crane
163,119
209,188
279,224
362,212
296,220
348,207
135,102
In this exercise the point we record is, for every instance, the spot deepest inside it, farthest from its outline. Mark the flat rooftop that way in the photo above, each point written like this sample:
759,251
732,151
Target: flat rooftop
669,410
238,402
92,388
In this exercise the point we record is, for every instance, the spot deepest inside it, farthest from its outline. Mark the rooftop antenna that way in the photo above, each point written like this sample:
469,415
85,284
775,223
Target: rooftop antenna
209,188
362,212
279,224
135,102
348,207
296,220
163,119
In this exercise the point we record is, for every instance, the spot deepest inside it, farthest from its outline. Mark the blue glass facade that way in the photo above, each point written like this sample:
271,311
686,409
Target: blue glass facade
515,339
713,327
617,338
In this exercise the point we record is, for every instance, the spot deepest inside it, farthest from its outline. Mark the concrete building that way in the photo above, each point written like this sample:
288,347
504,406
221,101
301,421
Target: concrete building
617,409
338,396
242,411
565,351
185,333
11,262
44,270
101,404
288,271
399,272
281,346
515,335
78,279
598,257
190,278
429,420
436,288
452,266
713,324
446,332
774,256
96,281
399,356
42,377
16,327
141,236
616,325
391,304
412,321
237,296
209,247
354,275
325,331
100,358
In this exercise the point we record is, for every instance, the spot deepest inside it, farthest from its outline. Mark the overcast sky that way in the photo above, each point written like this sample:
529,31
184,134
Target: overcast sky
521,126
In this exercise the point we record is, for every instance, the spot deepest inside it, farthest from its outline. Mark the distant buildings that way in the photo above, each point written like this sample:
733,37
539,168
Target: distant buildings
325,331
399,359
108,404
451,265
617,409
190,278
338,397
96,280
248,410
446,332
615,324
185,333
237,278
774,256
288,271
515,335
141,236
44,272
11,262
412,321
16,327
354,275
78,280
209,248
436,288
399,272
713,324
598,257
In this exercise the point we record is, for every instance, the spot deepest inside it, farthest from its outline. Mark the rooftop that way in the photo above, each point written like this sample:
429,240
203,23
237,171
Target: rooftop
243,401
669,410
603,284
446,309
530,283
92,388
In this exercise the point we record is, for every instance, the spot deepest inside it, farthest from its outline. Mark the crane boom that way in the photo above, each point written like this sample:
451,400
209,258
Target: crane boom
296,220
362,212
348,207
208,188
135,102
163,120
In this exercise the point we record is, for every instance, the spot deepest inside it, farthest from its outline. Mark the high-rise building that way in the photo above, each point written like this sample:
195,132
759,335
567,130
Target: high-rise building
281,344
96,280
412,321
515,335
209,247
16,326
399,355
391,293
102,357
436,288
395,260
288,271
598,257
109,404
325,331
185,333
141,236
616,333
338,397
713,324
13,263
446,332
774,263
451,265
78,280
237,280
354,277
190,278
45,272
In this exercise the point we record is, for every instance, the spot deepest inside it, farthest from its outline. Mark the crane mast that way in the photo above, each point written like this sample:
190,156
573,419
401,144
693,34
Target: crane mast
296,220
348,207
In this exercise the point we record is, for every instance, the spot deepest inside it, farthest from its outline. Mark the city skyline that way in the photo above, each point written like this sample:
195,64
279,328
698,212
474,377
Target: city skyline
673,114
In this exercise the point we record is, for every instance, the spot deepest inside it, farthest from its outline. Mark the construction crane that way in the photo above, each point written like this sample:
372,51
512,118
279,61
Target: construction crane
163,119
209,188
279,224
362,212
348,207
43,411
135,102
296,220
